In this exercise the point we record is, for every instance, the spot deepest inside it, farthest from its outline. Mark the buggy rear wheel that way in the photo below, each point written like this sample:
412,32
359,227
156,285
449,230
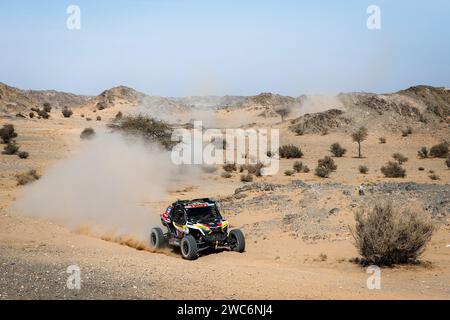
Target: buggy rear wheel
189,248
237,240
157,239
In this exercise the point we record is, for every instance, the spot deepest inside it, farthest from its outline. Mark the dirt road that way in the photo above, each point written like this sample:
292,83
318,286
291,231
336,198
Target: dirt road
285,257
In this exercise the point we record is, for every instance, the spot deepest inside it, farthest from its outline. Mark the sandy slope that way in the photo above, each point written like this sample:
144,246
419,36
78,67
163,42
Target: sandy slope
278,263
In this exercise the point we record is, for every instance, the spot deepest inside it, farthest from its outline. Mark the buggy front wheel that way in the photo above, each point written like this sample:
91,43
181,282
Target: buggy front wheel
237,240
157,239
189,248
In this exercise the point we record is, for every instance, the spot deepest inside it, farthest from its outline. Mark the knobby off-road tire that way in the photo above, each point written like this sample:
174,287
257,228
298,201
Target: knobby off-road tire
189,248
239,240
157,239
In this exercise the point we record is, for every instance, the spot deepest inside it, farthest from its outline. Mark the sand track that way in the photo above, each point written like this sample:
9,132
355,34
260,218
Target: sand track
278,263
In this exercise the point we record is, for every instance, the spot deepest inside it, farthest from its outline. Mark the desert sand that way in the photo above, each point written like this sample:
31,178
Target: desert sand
299,245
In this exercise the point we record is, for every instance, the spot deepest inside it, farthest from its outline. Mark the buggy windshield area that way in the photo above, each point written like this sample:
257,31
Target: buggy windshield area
208,213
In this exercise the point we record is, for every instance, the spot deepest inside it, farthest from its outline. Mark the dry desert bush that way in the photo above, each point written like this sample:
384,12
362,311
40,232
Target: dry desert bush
247,177
337,150
433,177
406,132
7,133
27,177
23,155
67,113
10,148
363,169
325,166
387,236
298,166
226,175
229,167
440,150
47,107
149,128
393,170
399,158
290,151
289,173
87,133
423,153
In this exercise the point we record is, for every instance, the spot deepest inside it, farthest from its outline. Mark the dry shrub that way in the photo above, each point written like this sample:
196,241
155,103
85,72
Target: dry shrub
47,107
247,177
322,172
27,177
119,116
399,158
11,148
406,132
423,153
290,151
7,133
298,166
440,150
87,133
393,170
289,173
149,128
23,155
387,236
382,140
337,150
421,169
325,166
328,162
67,113
43,114
363,169
226,175
254,168
434,177
229,167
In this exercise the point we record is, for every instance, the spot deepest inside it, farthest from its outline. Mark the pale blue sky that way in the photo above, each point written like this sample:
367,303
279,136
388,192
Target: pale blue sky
181,47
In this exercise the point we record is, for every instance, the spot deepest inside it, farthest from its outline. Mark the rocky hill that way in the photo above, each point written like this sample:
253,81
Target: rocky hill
420,107
14,101
56,98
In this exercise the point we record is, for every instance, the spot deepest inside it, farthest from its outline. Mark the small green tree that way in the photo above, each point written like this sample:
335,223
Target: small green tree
359,136
283,112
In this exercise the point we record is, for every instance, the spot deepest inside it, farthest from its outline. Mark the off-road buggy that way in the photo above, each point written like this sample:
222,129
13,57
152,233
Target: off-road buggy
194,226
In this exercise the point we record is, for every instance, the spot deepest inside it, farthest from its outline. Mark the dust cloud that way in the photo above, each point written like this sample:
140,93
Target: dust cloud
102,187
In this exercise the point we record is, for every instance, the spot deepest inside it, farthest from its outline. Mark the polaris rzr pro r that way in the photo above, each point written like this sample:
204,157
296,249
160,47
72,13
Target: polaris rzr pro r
196,225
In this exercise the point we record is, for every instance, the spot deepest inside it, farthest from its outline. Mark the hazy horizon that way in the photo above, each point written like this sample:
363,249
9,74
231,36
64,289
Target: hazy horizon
179,48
